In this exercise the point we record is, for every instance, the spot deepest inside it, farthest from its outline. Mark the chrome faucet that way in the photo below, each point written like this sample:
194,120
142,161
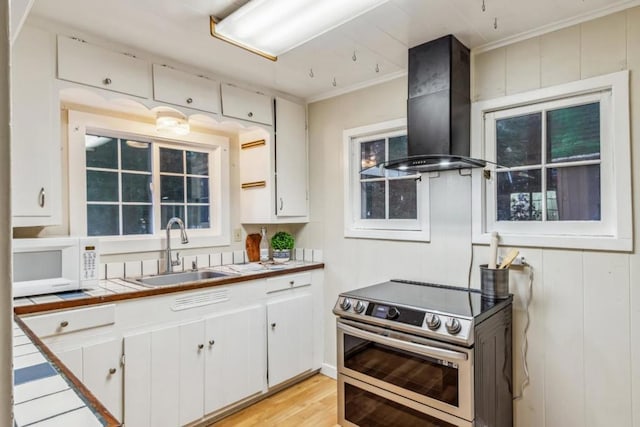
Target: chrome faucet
184,239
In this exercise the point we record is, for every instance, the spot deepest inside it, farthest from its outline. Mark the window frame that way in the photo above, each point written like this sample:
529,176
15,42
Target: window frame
614,230
80,123
385,229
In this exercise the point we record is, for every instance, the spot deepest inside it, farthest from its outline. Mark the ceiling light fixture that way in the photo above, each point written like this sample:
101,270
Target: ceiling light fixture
272,27
172,121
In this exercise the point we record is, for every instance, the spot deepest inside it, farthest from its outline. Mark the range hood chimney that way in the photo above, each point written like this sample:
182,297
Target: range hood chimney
438,108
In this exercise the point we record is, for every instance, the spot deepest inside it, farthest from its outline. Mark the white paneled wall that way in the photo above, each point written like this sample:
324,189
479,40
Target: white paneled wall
584,333
584,356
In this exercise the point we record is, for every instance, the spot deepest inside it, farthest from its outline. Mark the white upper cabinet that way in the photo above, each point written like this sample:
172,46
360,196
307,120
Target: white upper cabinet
246,105
184,89
35,131
291,159
91,65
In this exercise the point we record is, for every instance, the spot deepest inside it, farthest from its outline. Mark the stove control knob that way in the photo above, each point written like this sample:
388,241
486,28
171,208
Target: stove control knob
393,313
433,321
359,308
345,304
453,326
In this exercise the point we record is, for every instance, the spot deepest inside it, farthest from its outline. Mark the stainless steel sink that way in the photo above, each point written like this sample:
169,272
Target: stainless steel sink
180,278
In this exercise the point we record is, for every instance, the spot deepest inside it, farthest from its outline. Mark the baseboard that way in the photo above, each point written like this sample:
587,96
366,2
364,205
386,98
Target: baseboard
329,370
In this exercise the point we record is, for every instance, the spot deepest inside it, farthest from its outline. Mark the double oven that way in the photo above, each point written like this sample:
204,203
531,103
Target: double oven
406,357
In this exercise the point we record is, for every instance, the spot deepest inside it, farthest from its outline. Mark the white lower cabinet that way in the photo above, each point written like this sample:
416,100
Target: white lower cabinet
176,375
290,337
102,373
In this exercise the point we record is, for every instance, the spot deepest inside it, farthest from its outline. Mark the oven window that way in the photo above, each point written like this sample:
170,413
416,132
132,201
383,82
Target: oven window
421,374
367,409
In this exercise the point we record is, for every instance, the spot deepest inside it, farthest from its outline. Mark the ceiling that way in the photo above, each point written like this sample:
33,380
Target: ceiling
378,40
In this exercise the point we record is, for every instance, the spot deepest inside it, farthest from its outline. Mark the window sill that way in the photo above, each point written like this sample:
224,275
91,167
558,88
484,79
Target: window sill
602,243
400,235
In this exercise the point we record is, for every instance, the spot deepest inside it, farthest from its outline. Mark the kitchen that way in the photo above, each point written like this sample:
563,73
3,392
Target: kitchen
574,287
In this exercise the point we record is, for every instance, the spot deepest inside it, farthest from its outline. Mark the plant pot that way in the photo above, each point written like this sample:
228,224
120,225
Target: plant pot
281,255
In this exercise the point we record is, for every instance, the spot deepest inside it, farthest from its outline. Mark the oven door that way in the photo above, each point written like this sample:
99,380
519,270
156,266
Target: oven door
366,405
429,372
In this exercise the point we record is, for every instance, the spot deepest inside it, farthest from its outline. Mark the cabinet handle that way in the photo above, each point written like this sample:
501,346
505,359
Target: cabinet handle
211,342
200,346
281,203
41,197
107,81
292,283
189,100
64,324
250,114
112,371
273,325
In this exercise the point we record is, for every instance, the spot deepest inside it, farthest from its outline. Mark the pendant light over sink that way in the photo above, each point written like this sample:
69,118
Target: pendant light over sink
272,27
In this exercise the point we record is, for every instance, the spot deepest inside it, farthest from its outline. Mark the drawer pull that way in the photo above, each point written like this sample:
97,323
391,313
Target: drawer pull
250,114
273,325
112,371
211,342
292,282
64,324
200,346
189,100
107,81
41,198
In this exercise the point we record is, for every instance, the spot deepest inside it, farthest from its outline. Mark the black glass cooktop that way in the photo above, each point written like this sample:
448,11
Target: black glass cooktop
449,300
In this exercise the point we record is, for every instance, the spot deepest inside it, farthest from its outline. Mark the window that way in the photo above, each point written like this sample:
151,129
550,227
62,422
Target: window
557,185
126,181
381,203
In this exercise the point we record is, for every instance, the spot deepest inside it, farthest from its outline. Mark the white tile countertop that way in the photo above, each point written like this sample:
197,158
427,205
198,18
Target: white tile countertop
43,394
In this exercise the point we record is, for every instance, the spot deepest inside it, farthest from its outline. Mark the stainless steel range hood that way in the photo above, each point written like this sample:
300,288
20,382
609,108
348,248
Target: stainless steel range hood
438,109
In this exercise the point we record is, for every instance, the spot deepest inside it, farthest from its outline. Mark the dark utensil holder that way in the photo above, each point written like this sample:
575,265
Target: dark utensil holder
494,283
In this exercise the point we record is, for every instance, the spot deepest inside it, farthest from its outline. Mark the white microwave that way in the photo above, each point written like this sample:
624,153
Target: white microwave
50,265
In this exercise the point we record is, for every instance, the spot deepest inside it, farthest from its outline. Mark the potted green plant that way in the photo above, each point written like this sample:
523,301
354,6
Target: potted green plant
282,244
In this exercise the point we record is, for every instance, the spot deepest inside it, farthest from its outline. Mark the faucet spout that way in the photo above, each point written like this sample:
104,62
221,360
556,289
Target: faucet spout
183,239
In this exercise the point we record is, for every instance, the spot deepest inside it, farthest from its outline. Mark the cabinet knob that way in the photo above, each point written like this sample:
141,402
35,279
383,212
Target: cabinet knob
107,81
250,114
41,197
211,342
112,371
292,283
189,100
200,346
64,324
273,325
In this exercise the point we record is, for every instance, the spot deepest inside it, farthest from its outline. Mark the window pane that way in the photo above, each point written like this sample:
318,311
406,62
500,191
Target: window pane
398,147
135,188
101,152
102,220
372,200
402,199
172,189
136,156
573,193
198,216
167,212
171,160
197,190
102,186
519,196
197,163
573,133
518,140
371,153
136,219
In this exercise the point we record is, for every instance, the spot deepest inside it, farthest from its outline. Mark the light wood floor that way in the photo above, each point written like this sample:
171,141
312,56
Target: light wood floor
311,403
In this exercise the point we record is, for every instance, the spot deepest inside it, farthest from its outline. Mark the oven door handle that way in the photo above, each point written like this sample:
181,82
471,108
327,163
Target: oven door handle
425,350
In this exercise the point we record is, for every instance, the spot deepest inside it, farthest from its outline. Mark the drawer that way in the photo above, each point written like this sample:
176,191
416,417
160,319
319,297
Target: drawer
184,89
246,105
63,322
288,282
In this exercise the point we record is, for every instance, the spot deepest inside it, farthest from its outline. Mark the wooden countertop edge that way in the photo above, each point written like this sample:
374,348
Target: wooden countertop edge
90,399
102,299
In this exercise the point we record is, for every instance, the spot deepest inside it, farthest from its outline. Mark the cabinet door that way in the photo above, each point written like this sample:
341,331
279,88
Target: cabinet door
165,377
102,374
246,105
137,380
291,159
72,359
290,337
95,66
235,362
192,353
180,88
35,141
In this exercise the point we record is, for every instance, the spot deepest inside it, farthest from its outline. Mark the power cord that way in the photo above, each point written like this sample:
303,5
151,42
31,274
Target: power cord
525,343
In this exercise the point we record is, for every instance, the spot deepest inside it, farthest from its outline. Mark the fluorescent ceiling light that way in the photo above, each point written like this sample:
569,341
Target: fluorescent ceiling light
169,121
273,27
